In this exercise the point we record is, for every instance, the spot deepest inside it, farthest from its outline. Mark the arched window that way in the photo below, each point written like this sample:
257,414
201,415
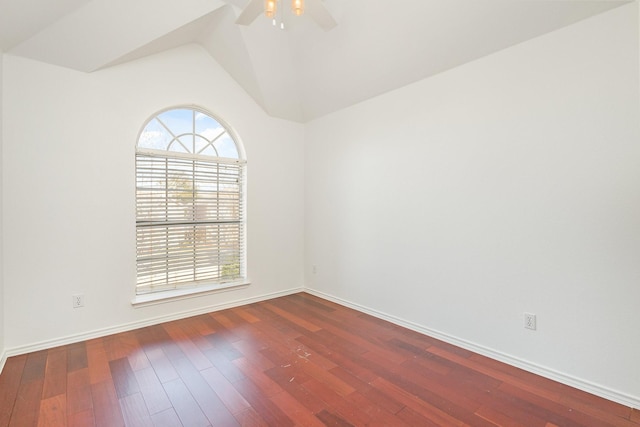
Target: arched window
190,222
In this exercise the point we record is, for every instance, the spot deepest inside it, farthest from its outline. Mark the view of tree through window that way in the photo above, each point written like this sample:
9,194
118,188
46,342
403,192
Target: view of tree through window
189,203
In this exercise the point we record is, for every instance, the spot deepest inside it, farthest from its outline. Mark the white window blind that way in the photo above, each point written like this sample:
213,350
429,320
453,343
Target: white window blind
189,218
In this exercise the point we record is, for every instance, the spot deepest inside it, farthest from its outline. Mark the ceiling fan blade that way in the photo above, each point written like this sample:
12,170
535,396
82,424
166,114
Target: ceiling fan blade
251,11
320,14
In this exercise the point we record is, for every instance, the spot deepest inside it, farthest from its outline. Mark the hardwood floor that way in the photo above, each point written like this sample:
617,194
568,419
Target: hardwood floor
292,361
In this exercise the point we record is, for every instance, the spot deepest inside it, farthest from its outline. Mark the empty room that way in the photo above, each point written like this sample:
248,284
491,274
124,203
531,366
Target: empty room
320,213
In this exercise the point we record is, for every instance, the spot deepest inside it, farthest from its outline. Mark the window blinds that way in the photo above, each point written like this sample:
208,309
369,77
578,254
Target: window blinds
189,224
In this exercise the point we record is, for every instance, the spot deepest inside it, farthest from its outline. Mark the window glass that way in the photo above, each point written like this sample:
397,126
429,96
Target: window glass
189,203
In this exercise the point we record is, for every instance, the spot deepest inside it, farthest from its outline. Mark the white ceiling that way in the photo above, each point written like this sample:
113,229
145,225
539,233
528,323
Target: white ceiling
303,72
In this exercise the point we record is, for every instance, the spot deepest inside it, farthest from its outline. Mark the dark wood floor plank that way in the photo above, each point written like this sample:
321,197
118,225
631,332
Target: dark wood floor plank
222,345
251,350
161,364
53,411
435,363
97,362
458,351
412,418
27,406
248,317
184,404
123,378
309,302
558,413
326,377
460,403
511,375
374,331
340,406
229,319
250,418
35,366
331,419
223,319
334,344
156,337
298,413
118,346
285,345
412,338
373,395
517,410
272,323
55,375
291,381
306,353
106,407
166,418
348,361
340,327
147,338
498,418
76,356
267,386
361,340
152,391
224,365
541,387
426,410
9,384
210,404
170,347
402,347
233,400
295,360
512,378
79,392
377,413
596,407
196,325
196,329
211,320
135,353
266,409
134,411
299,321
81,419
291,348
187,346
465,394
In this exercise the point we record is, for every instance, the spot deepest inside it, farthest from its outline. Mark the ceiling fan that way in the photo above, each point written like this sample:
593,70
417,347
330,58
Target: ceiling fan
314,8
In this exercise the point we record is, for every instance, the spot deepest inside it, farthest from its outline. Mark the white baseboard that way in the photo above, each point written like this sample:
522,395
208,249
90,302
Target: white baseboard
3,359
596,389
98,333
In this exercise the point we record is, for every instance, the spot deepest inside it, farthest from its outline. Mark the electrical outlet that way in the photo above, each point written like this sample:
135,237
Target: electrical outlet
78,300
530,321
314,269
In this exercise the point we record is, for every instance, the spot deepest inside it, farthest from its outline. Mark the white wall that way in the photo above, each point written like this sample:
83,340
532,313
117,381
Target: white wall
508,185
1,227
69,193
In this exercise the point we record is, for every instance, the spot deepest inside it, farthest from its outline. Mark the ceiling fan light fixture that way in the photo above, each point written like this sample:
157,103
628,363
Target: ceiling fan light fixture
297,7
270,8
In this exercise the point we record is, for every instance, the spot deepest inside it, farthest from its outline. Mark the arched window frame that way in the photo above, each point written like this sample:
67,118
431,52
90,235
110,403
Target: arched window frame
190,206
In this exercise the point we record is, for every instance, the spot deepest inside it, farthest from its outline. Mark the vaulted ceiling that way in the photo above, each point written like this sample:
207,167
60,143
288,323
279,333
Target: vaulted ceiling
300,73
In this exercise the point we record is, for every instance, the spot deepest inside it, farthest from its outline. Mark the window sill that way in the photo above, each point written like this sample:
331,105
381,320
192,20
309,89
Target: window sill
180,294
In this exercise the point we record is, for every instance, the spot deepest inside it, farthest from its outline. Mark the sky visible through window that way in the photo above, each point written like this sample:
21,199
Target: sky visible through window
188,131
